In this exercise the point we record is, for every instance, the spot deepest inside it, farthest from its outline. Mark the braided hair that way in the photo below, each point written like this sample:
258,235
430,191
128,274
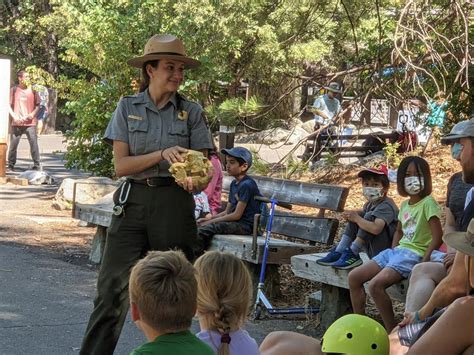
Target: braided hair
224,294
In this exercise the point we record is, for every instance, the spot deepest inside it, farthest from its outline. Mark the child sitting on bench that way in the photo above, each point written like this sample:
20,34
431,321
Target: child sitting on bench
239,214
370,229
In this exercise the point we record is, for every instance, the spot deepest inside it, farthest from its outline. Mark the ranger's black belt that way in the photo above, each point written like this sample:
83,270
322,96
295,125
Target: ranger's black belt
155,181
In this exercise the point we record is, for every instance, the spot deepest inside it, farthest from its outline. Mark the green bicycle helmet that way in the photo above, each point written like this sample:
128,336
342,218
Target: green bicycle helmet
354,334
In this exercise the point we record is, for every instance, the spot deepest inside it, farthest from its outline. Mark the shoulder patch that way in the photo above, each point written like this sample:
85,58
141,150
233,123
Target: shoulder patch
133,117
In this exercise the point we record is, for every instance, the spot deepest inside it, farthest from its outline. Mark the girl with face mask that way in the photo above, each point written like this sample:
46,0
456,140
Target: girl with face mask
417,238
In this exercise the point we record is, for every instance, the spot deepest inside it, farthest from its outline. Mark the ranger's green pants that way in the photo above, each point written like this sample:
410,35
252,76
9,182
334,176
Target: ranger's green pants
156,218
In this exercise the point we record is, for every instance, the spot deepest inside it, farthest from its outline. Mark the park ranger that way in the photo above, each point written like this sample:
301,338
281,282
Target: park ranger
148,132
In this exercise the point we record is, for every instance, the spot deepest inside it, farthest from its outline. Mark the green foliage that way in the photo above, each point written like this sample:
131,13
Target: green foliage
391,154
231,111
295,167
259,166
331,159
267,44
94,105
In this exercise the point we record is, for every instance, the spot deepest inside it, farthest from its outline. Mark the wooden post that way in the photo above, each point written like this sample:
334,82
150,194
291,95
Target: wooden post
226,139
393,115
5,68
335,302
3,159
98,245
272,279
365,116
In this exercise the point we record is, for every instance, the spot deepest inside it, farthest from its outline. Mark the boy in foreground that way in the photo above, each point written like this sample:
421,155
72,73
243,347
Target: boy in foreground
163,301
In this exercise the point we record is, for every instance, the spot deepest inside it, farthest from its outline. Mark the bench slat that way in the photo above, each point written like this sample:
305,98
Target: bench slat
331,197
96,214
280,251
314,229
321,230
382,136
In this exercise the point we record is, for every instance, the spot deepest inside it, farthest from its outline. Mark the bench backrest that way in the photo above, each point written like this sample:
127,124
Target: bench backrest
314,227
328,197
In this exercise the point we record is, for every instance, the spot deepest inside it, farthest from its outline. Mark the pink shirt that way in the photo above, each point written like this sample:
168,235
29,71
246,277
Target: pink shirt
24,102
214,189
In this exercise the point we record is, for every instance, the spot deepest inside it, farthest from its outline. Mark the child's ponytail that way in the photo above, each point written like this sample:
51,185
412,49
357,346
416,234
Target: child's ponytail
224,294
223,319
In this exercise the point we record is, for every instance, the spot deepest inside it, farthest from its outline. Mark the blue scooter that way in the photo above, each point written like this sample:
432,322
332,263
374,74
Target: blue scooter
262,302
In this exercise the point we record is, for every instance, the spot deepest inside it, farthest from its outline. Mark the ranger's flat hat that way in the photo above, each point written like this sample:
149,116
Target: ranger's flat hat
164,46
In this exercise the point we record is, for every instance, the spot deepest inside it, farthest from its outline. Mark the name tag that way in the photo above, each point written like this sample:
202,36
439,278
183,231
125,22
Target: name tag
133,117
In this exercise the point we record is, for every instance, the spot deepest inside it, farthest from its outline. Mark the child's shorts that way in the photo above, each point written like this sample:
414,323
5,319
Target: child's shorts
401,260
437,256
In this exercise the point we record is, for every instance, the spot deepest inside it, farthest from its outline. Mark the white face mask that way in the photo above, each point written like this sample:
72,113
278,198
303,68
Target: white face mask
413,184
372,193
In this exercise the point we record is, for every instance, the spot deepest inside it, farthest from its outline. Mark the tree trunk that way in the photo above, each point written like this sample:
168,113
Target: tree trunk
50,124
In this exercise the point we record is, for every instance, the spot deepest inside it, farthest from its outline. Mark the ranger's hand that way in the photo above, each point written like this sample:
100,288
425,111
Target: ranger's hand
187,184
173,154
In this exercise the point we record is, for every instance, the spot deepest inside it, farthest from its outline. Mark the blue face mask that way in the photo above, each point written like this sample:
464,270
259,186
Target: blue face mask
456,150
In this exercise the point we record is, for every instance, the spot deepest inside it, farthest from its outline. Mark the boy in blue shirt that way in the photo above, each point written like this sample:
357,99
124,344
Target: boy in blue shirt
238,216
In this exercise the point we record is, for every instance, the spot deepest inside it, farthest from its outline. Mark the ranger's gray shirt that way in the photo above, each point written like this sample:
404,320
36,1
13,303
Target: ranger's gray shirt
145,128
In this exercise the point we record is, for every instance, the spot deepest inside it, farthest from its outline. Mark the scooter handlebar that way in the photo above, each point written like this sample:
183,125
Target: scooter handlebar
286,205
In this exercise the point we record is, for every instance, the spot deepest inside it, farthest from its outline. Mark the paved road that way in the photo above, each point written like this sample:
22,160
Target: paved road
52,149
45,304
45,301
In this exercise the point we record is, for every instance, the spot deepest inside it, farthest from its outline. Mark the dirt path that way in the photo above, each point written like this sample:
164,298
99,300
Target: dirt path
27,218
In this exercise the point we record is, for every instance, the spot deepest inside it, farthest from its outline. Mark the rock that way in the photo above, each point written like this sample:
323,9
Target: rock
314,299
374,159
274,135
87,191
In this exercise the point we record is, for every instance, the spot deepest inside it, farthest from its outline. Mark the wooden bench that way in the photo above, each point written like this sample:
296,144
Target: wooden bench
335,297
358,145
301,231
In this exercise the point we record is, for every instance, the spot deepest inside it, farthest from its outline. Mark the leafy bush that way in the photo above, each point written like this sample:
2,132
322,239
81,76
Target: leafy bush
92,110
392,155
231,111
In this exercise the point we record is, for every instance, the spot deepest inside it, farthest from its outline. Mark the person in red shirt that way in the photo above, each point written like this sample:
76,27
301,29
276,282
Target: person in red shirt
24,105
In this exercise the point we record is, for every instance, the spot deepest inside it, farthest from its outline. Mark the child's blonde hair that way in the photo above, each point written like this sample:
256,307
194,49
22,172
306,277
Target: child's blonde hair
224,293
163,286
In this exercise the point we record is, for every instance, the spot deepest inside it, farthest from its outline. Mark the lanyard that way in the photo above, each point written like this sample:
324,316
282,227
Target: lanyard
122,199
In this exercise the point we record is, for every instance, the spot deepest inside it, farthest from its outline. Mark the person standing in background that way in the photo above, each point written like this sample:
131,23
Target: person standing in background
24,106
